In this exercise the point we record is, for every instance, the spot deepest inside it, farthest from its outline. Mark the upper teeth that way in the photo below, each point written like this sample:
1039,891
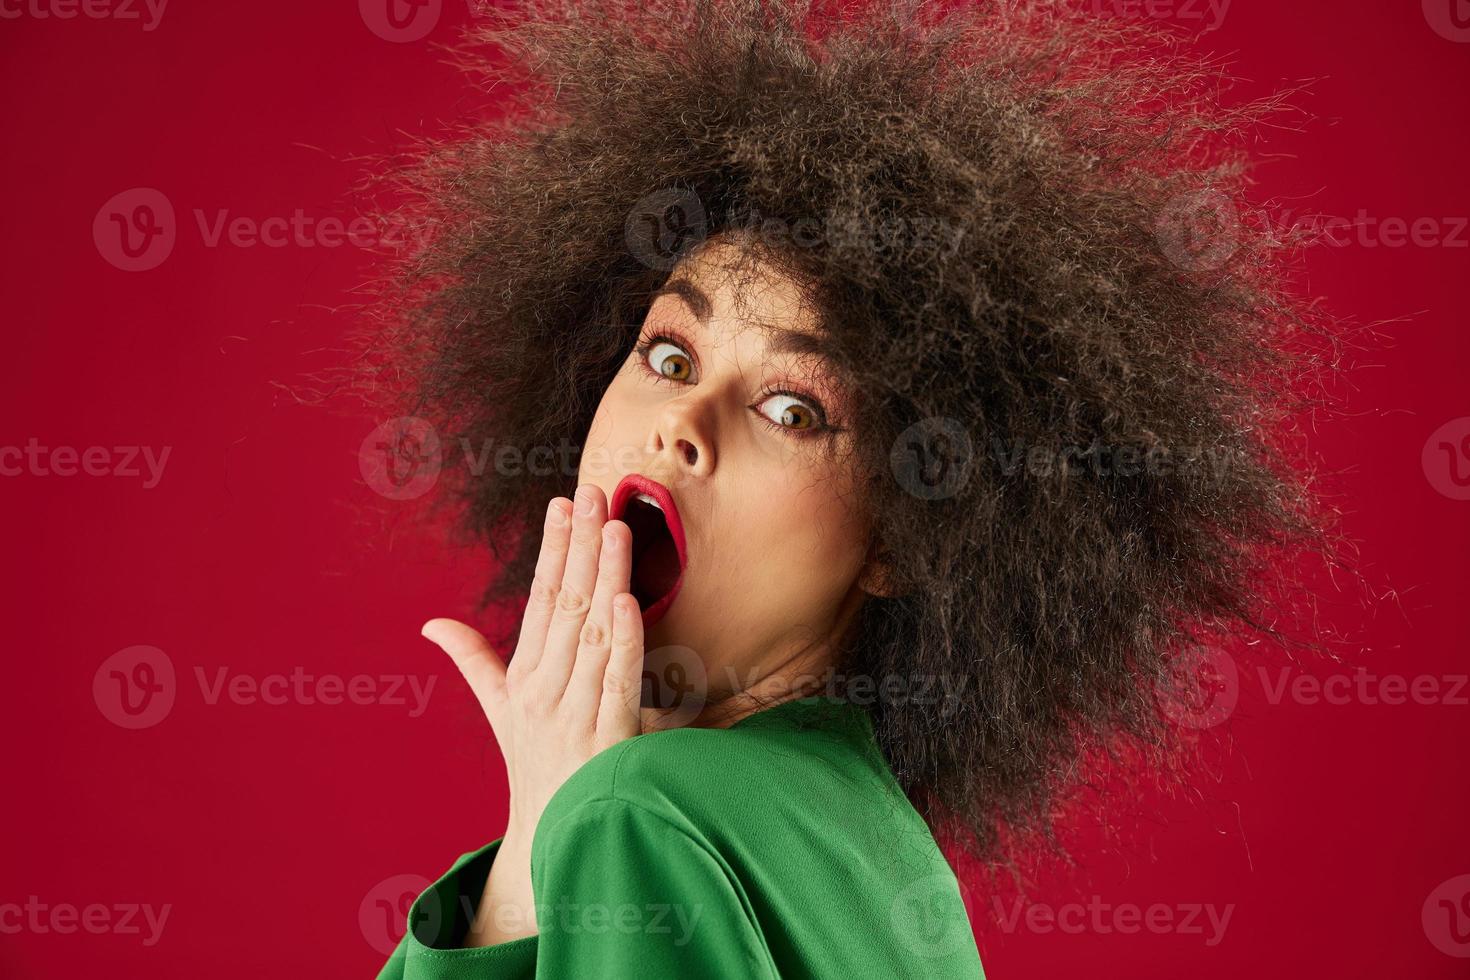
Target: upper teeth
647,499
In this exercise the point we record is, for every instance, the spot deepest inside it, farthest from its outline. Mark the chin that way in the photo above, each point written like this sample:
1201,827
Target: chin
662,633
675,676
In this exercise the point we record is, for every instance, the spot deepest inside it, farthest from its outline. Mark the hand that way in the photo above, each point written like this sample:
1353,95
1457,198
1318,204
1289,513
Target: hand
571,690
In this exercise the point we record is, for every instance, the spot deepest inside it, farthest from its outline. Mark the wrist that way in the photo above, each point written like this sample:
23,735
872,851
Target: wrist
507,905
517,840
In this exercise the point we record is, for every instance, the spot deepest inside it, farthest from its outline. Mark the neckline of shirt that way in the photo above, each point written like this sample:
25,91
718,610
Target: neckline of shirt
817,704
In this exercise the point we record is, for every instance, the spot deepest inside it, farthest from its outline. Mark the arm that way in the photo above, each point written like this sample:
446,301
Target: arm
571,690
506,910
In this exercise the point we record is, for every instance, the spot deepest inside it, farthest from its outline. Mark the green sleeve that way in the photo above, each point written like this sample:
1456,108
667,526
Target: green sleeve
619,891
437,923
623,892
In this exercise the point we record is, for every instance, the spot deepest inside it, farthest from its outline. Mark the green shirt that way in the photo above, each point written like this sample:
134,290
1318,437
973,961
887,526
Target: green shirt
779,847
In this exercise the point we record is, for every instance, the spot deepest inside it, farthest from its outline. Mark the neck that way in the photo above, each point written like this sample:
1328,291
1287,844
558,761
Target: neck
804,672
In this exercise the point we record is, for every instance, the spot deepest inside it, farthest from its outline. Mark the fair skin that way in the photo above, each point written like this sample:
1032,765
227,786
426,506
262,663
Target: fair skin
778,552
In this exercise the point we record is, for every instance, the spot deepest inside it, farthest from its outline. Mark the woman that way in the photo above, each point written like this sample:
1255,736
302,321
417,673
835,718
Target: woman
895,355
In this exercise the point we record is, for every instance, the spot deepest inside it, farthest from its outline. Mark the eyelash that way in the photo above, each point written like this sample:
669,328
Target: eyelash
822,428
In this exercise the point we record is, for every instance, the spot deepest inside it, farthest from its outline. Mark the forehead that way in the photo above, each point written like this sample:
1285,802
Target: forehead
729,287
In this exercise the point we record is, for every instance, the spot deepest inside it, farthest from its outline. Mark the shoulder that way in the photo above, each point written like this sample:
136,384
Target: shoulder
643,801
726,786
772,819
663,774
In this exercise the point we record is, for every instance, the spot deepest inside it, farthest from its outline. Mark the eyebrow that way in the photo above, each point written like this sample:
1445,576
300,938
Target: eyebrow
782,339
692,295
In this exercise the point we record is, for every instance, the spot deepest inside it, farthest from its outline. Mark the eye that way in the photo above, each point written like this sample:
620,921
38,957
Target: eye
665,358
790,412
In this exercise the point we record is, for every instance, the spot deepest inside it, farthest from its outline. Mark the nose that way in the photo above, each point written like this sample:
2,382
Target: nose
684,427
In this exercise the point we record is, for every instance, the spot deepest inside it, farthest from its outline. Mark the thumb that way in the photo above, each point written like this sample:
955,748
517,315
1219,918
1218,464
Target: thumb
481,667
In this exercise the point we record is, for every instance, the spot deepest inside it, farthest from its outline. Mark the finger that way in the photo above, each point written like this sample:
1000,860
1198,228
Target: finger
614,567
622,682
556,536
481,667
574,599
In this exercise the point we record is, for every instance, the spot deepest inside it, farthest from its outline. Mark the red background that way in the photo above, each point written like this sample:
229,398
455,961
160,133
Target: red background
266,827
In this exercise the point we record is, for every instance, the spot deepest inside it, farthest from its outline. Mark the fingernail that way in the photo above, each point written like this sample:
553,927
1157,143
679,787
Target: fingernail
584,500
555,516
622,608
608,538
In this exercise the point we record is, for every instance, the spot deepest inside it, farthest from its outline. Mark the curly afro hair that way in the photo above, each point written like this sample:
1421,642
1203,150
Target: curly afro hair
1075,355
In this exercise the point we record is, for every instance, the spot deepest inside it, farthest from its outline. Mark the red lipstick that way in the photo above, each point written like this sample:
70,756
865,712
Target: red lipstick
648,508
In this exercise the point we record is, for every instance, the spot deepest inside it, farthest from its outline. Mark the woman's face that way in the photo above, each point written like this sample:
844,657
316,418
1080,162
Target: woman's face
746,438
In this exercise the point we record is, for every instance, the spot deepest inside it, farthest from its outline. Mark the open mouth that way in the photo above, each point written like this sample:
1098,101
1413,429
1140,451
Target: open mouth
659,555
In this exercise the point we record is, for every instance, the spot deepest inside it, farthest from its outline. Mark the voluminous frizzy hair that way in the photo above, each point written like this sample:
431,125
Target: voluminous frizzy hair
1074,351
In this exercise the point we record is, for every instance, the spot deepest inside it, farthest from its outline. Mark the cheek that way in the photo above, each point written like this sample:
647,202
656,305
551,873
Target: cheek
801,533
601,430
608,437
